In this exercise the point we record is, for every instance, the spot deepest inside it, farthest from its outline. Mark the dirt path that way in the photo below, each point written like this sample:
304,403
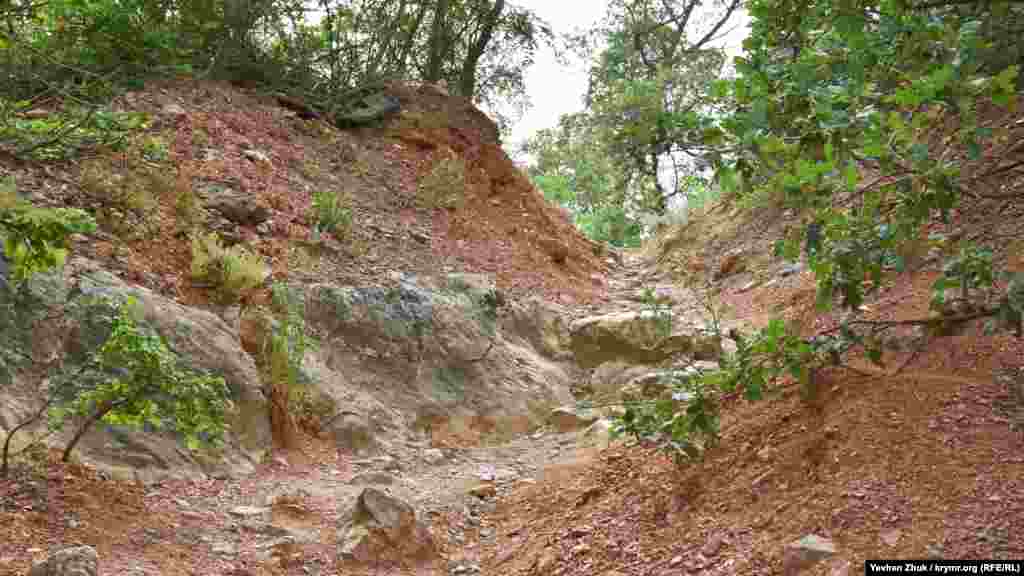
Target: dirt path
282,518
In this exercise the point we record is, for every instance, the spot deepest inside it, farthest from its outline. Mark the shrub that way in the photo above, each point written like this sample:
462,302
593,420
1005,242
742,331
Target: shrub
445,186
147,388
333,213
232,271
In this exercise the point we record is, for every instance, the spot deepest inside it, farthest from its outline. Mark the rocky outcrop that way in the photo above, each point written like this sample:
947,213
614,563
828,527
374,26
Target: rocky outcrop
638,337
420,356
200,339
381,528
72,561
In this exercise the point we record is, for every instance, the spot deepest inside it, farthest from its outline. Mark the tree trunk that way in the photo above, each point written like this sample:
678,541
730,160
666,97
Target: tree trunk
467,77
101,411
438,42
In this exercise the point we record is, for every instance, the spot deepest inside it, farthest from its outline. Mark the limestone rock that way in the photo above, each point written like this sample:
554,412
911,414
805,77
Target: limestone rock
200,340
806,552
380,527
72,561
235,205
637,337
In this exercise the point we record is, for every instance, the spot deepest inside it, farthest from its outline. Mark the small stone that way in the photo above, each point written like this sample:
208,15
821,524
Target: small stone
76,560
675,561
806,552
839,567
248,511
433,456
224,548
484,491
712,546
173,109
256,156
891,537
790,269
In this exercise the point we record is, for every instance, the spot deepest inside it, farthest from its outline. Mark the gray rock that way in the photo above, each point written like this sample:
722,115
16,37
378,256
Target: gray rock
71,561
433,456
790,269
380,527
638,337
236,206
249,511
199,339
806,552
173,109
256,156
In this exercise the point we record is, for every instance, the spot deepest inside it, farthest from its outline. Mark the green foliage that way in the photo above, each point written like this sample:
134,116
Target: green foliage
65,134
333,213
684,425
232,271
147,388
35,239
660,311
826,92
445,185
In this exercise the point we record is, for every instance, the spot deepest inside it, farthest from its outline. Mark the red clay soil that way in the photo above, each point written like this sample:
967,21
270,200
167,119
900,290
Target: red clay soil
929,461
502,224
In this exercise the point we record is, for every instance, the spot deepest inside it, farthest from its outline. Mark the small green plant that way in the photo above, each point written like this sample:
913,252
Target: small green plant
445,186
660,311
232,271
154,149
35,239
293,400
64,134
148,388
333,213
186,208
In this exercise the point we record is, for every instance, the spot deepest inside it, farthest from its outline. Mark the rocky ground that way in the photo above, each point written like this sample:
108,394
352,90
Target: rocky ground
429,476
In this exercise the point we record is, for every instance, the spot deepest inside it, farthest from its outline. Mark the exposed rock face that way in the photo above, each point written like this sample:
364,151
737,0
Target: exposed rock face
540,323
201,340
638,337
429,357
382,528
74,561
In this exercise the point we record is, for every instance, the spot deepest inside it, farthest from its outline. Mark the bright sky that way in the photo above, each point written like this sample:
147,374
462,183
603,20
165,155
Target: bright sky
555,89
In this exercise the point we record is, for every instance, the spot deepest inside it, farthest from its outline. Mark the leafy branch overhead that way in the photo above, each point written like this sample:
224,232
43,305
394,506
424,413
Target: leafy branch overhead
881,124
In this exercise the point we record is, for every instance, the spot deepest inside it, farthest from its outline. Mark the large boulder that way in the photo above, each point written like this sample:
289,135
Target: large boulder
638,337
71,561
201,340
381,528
421,356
